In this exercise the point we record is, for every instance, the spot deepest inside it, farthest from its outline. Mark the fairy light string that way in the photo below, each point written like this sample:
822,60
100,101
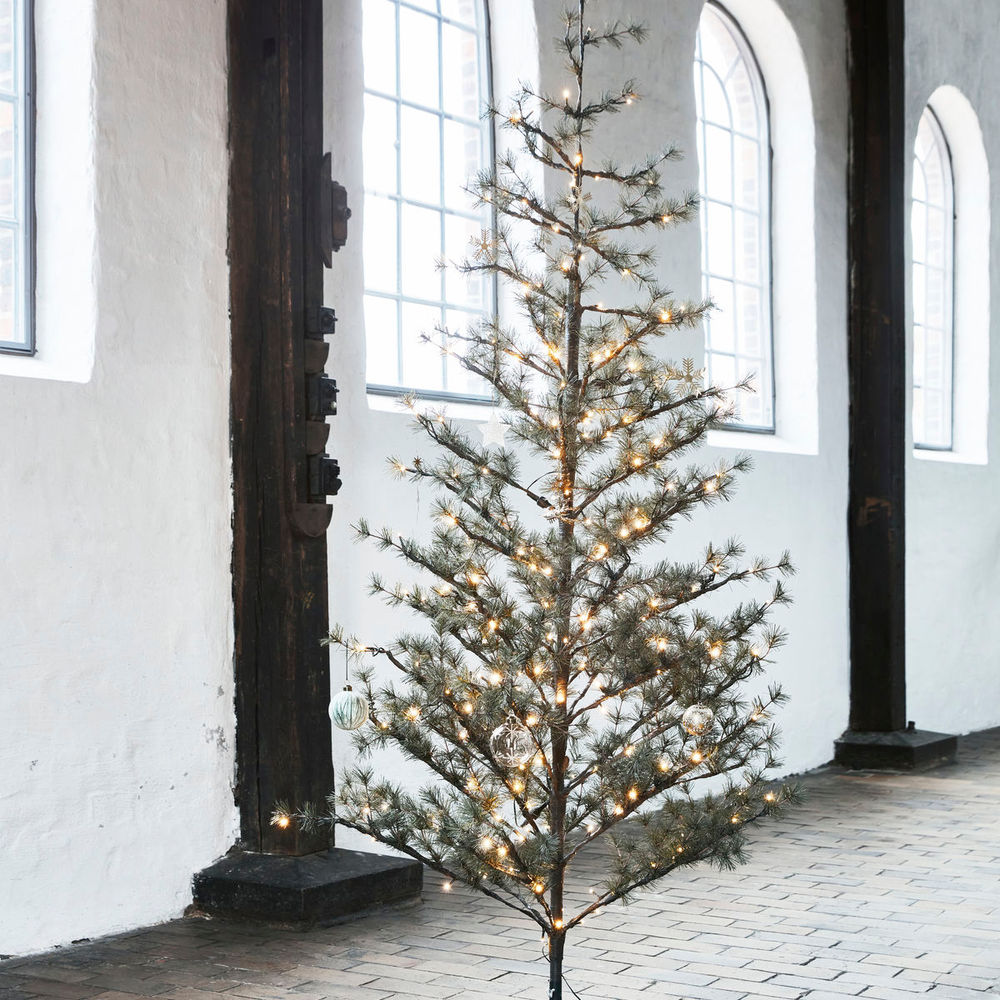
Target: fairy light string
562,674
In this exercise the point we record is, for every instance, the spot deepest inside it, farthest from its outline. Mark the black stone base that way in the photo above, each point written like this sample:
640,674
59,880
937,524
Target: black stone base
312,890
903,750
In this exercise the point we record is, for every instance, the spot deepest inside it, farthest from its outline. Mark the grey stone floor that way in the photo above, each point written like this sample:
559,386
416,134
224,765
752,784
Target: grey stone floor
879,886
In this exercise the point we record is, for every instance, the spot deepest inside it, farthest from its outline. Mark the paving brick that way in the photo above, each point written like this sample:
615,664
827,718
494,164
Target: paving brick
884,887
59,991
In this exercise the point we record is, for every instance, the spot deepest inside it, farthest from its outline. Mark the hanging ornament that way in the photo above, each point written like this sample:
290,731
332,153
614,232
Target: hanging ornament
493,430
349,709
512,743
697,719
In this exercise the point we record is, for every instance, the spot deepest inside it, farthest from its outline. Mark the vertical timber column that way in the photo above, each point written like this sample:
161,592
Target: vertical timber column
878,735
286,217
877,366
276,275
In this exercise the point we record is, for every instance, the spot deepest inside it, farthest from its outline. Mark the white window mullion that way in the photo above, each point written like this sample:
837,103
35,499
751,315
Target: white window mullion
439,70
932,225
16,114
731,100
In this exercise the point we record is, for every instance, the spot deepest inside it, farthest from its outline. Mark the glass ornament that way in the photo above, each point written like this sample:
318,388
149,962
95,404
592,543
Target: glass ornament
697,719
349,709
512,743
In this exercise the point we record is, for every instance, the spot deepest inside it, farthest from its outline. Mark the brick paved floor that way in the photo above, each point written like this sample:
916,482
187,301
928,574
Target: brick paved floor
880,886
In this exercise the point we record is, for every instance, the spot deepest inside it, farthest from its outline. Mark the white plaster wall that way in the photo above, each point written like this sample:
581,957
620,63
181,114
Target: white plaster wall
116,723
790,500
952,527
116,717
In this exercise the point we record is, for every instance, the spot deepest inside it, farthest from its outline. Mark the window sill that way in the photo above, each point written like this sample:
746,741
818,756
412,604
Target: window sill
479,412
75,362
761,441
952,457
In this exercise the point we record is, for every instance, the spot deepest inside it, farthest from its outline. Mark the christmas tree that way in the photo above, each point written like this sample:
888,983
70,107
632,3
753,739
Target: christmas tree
563,686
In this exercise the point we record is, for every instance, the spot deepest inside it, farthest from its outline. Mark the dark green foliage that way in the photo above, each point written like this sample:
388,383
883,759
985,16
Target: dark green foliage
535,600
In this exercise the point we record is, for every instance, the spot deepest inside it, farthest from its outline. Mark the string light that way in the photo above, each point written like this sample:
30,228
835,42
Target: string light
574,494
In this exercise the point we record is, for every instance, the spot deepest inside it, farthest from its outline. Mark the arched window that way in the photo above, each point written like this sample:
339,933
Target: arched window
426,75
932,225
16,147
734,159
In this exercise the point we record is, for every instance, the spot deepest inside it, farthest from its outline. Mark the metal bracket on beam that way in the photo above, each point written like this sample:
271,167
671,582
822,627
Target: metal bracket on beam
333,212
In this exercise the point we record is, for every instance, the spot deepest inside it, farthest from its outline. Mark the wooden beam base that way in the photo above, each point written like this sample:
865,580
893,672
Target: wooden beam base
903,750
308,891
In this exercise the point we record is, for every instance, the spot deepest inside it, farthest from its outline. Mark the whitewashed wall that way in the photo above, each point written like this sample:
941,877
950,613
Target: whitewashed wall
793,500
116,700
952,524
116,722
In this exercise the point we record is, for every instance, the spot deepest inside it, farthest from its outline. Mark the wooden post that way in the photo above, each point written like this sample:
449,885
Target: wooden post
877,372
276,275
877,365
286,217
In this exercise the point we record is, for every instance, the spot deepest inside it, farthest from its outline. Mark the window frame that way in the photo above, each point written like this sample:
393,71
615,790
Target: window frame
950,210
24,65
488,134
759,85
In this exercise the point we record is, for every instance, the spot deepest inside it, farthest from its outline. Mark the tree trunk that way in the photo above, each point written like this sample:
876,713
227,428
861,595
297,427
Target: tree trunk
556,944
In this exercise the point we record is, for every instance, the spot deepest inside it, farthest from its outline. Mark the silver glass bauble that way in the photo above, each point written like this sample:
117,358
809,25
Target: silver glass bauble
349,709
512,743
697,719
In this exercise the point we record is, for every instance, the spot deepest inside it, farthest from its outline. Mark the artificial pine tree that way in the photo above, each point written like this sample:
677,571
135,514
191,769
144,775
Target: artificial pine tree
564,686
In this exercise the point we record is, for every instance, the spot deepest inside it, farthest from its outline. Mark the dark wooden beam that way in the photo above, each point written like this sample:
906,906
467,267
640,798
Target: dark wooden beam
878,733
877,365
286,218
276,275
